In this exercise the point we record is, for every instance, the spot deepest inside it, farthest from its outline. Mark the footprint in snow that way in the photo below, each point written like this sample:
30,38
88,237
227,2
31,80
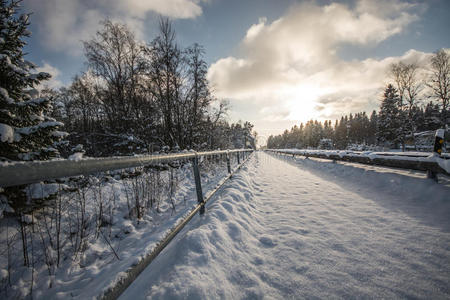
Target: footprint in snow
258,261
303,231
267,242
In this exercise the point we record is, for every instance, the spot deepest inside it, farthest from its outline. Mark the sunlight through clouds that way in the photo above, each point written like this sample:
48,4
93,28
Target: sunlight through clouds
293,62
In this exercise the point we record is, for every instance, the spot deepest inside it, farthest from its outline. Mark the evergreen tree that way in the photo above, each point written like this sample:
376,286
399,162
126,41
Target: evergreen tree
419,119
432,120
388,119
372,130
327,130
364,125
26,132
340,134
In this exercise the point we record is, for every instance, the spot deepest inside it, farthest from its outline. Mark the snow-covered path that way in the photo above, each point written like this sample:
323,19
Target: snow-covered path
277,230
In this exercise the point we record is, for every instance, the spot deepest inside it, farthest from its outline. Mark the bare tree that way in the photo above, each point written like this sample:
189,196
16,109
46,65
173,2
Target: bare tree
115,56
439,81
84,104
198,95
165,78
408,86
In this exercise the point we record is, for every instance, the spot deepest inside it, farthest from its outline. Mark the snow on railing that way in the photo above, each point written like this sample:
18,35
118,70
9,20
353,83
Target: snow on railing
432,163
18,173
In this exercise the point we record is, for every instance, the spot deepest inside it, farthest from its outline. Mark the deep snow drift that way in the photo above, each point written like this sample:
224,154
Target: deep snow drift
301,228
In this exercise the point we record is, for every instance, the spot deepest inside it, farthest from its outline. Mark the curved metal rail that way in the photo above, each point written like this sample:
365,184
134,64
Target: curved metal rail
19,173
400,161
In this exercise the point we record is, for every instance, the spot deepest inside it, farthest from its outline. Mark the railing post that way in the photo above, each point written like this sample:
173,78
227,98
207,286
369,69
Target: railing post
239,162
228,162
198,183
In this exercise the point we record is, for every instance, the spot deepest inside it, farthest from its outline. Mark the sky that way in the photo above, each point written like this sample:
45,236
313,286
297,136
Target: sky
277,62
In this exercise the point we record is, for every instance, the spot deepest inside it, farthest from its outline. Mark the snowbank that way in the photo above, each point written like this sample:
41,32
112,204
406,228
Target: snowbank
6,133
295,228
423,157
101,210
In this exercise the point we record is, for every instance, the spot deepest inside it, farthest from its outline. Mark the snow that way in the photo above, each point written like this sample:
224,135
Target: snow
5,95
59,134
88,273
440,133
444,164
442,160
32,129
76,156
42,191
282,227
35,101
6,133
302,228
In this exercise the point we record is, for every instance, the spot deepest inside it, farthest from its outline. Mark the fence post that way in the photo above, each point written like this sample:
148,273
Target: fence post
239,162
198,184
438,144
228,162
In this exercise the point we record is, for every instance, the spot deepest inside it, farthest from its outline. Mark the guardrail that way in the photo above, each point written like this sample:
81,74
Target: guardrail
431,163
20,173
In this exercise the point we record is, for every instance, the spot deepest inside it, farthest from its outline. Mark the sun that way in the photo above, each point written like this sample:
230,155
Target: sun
302,102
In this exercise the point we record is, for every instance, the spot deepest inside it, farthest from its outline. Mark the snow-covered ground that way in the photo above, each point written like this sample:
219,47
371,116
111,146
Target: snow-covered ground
305,228
114,239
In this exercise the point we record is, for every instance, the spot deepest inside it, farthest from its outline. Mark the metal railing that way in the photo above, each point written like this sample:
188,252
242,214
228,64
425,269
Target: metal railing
403,160
20,173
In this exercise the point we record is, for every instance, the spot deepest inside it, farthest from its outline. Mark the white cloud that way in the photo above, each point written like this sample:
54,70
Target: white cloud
53,82
291,65
172,8
64,23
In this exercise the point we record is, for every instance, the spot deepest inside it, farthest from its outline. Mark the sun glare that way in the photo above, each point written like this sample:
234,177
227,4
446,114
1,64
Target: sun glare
303,102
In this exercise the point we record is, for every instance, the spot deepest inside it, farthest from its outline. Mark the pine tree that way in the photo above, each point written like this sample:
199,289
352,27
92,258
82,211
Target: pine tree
388,119
432,120
327,130
372,131
26,132
340,134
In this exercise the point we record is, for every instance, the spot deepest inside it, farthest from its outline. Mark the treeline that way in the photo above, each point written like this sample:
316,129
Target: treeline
134,97
402,113
139,98
356,128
